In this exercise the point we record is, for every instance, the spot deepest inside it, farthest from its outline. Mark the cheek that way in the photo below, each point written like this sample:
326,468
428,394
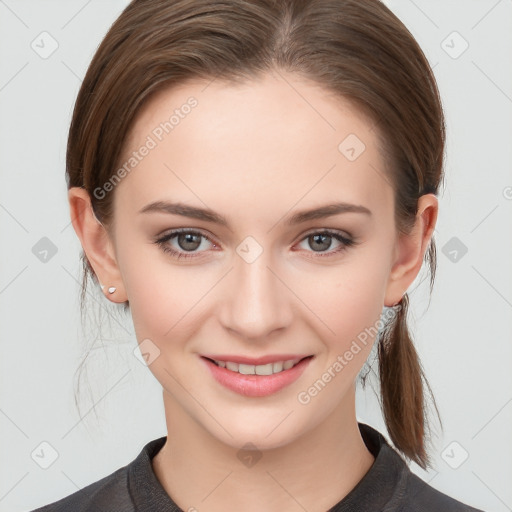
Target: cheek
349,296
161,295
347,302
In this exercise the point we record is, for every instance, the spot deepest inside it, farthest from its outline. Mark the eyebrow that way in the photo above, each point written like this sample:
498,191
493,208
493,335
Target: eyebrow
208,215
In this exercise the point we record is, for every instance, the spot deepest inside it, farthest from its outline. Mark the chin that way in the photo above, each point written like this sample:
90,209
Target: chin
264,433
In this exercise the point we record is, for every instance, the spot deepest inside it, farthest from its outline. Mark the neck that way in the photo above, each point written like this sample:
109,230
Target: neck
312,473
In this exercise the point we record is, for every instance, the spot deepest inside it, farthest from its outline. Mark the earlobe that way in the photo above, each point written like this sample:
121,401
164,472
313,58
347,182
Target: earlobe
411,249
96,244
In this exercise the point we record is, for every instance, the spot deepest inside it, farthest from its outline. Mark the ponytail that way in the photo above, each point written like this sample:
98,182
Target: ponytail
402,393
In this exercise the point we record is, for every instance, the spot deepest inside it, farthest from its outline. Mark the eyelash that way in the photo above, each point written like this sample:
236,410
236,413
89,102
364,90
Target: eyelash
162,242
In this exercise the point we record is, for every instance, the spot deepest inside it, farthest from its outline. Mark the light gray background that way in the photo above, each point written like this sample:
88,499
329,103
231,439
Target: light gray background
463,336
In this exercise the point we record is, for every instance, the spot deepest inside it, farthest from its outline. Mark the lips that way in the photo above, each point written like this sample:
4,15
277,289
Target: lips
255,384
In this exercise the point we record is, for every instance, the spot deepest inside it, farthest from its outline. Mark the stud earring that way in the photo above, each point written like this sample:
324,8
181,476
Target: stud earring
111,289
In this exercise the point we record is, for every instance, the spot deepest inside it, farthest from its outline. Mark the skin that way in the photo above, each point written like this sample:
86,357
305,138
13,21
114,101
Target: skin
256,153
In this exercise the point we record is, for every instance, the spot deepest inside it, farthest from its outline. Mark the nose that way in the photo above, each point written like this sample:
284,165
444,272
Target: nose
256,301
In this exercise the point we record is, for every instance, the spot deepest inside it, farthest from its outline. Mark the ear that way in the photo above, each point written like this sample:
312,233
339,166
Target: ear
410,250
96,243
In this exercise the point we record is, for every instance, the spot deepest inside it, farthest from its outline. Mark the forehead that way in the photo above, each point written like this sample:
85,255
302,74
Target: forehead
278,138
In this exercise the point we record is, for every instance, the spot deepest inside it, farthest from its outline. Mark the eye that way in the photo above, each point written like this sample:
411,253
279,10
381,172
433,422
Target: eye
322,240
187,241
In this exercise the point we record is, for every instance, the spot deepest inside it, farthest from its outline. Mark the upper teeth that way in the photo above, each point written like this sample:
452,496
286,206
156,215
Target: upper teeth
260,369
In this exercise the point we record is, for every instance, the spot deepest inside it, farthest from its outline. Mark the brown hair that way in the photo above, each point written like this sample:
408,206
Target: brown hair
356,49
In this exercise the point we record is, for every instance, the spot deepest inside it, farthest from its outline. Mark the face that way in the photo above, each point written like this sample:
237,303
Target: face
265,284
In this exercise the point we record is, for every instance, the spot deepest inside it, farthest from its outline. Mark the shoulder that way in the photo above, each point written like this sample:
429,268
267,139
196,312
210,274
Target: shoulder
418,496
119,491
400,490
110,493
130,488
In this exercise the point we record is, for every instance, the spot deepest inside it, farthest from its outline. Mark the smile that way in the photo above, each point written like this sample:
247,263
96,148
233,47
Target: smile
261,369
256,380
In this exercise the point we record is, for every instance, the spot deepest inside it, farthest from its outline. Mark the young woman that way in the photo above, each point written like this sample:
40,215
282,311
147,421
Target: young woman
256,180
